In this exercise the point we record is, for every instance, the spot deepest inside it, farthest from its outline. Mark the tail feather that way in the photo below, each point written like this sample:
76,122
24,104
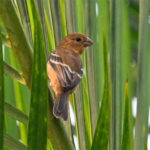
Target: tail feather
55,109
60,109
64,115
62,102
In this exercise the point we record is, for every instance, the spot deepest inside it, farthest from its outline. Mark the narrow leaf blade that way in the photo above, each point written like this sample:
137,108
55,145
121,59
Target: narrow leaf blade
13,144
37,136
102,132
116,72
1,93
143,85
127,136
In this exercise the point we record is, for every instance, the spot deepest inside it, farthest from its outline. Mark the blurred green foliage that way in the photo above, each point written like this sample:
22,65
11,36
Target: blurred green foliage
116,71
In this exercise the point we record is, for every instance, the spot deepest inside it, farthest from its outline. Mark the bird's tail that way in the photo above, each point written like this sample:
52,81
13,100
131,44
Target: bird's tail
60,109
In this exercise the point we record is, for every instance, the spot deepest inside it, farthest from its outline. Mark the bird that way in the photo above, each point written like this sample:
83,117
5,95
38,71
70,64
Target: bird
65,70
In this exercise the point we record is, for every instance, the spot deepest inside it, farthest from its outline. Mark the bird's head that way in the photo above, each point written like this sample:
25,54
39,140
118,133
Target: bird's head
75,42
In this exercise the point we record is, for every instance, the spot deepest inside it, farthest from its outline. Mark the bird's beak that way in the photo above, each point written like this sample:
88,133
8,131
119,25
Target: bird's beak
88,42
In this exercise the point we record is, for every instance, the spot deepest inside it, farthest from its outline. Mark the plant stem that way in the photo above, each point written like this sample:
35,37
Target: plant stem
13,73
16,113
13,144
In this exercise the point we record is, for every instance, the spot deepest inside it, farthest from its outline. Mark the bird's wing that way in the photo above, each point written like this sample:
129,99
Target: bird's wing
69,78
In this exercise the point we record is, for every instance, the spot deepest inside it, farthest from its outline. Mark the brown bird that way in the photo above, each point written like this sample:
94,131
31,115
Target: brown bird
65,70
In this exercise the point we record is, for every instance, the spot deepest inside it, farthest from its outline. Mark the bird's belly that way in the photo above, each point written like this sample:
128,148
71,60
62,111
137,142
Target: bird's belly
54,80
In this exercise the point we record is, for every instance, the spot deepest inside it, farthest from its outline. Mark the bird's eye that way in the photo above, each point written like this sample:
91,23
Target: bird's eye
78,39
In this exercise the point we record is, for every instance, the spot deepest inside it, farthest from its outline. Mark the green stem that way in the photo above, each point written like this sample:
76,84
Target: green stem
13,144
13,73
5,40
16,113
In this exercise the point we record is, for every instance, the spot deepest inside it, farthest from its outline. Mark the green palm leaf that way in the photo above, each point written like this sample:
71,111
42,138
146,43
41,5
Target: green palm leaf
39,95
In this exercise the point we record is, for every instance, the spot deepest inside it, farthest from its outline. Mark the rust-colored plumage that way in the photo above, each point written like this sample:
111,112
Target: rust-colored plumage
64,68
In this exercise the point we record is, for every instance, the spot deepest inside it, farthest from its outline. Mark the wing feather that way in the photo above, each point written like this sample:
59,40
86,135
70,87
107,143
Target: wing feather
69,78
